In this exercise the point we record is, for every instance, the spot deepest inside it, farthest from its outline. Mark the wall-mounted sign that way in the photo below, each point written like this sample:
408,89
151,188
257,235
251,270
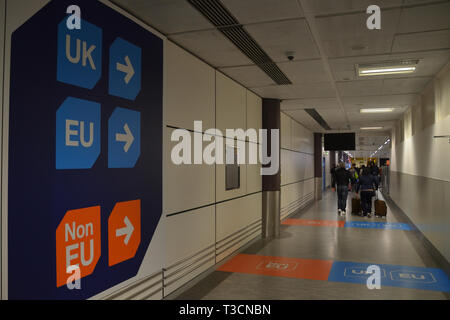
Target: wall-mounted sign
85,150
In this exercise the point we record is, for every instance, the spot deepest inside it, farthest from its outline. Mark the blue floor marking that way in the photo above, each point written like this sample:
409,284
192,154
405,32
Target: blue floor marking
392,276
379,225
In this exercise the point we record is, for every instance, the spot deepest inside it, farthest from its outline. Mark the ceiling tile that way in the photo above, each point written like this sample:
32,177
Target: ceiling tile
319,7
400,100
425,18
249,76
295,104
347,35
213,47
167,16
304,71
334,117
405,86
360,88
422,41
313,90
254,11
277,38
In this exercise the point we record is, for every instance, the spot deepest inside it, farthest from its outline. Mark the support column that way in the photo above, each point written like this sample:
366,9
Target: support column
271,184
317,166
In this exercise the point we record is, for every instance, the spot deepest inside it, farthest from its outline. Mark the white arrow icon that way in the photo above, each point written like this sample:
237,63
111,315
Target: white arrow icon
128,69
127,137
128,230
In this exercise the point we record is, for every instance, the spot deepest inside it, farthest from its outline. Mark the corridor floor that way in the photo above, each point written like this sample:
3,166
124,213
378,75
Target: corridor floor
322,256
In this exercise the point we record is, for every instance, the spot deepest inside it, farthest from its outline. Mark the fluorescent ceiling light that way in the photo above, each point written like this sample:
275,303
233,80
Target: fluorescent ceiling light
371,128
393,67
383,71
376,110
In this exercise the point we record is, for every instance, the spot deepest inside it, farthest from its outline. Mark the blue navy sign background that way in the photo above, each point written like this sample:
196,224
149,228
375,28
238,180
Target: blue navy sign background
39,193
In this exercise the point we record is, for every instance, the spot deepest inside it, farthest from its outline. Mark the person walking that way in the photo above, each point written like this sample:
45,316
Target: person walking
354,174
342,181
375,171
367,185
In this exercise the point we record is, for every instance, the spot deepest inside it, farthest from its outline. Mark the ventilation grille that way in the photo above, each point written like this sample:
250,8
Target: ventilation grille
219,16
316,116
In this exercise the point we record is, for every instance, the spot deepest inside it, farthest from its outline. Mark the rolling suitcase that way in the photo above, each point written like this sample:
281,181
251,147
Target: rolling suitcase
380,207
356,205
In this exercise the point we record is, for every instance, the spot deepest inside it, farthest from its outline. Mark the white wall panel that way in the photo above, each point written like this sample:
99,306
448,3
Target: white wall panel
190,87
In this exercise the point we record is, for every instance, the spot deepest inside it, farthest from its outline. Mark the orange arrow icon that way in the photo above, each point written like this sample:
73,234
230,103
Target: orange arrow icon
124,231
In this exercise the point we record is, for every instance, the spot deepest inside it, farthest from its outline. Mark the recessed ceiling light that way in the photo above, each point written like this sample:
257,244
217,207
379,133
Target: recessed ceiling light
376,110
393,67
371,128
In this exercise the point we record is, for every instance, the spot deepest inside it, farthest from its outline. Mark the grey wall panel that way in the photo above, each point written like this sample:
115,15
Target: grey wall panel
426,202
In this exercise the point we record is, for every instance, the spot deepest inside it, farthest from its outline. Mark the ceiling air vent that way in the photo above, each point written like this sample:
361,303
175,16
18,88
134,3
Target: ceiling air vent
316,116
224,21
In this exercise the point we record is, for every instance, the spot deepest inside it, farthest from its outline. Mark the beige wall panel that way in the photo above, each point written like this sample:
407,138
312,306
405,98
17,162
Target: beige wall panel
221,192
185,186
254,178
236,214
189,89
230,104
188,233
443,83
285,131
302,138
254,111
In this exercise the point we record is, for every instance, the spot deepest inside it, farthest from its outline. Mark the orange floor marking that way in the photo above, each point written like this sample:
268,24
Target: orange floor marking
279,266
319,223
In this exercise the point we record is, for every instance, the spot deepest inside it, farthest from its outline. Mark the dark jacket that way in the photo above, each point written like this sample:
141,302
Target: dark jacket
367,182
374,170
341,177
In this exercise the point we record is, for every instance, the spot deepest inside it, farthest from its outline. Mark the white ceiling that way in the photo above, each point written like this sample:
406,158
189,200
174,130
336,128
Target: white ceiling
322,34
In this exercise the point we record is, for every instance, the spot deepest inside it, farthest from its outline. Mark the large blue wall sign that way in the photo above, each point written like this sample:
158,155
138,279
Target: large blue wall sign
85,157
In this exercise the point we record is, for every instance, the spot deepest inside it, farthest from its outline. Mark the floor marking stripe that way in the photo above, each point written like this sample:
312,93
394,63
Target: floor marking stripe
338,271
321,223
349,224
279,266
392,276
379,225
